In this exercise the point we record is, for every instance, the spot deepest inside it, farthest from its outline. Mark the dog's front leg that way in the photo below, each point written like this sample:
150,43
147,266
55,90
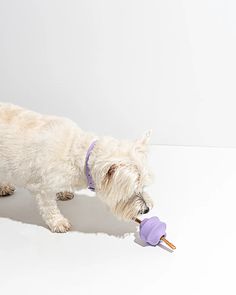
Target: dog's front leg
51,213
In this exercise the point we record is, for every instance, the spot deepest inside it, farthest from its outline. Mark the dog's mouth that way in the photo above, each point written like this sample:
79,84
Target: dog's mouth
134,207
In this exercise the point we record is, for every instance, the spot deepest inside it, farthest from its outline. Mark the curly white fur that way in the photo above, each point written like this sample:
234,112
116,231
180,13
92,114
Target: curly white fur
46,155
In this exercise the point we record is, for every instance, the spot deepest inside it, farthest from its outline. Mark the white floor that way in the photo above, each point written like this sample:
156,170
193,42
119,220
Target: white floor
194,192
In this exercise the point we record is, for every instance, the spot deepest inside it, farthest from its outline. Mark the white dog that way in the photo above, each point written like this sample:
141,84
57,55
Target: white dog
52,157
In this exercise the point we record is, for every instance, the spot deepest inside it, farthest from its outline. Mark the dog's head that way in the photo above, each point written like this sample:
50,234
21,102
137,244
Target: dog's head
122,174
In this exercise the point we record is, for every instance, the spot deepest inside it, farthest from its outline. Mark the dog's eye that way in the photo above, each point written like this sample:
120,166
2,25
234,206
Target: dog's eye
139,195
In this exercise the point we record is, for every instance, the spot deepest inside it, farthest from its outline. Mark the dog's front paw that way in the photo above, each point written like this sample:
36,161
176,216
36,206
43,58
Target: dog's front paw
6,190
61,225
65,196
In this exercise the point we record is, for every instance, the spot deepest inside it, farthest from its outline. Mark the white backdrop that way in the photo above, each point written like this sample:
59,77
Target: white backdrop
120,67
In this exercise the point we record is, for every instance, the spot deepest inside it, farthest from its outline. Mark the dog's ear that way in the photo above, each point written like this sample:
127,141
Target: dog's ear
140,145
145,138
110,172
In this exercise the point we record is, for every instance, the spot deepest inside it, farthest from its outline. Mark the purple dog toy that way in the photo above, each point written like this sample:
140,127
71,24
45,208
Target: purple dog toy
152,231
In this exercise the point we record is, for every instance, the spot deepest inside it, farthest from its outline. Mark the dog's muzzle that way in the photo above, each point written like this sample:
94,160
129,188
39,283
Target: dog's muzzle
144,211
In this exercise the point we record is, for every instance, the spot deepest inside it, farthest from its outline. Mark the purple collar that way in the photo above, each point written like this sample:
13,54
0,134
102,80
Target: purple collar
90,182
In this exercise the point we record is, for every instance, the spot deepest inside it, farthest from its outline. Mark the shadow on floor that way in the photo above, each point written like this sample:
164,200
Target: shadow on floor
87,214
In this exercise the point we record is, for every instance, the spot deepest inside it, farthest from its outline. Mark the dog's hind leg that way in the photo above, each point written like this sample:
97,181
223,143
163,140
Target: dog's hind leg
64,196
6,189
50,212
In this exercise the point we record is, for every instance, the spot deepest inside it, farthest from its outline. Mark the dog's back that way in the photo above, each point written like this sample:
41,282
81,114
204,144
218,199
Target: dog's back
12,116
28,138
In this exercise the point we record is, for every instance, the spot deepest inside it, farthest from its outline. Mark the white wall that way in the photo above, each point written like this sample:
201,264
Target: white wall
120,67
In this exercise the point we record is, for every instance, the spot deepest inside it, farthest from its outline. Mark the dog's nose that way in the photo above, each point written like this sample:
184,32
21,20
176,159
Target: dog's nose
146,210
